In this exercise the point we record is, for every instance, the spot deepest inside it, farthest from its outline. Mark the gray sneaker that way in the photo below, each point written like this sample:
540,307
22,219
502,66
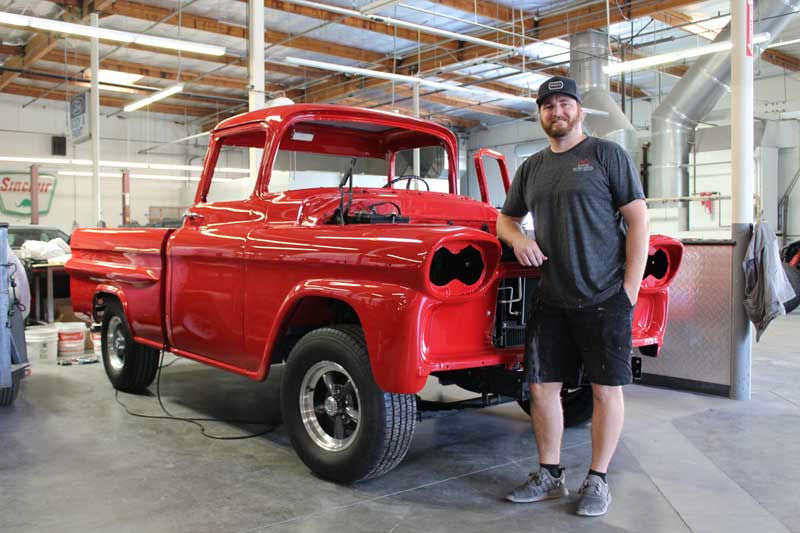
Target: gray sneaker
595,497
540,486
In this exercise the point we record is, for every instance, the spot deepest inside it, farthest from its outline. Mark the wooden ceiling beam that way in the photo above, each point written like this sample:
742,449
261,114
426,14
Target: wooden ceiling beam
482,8
51,76
238,84
11,50
445,120
461,103
141,11
356,22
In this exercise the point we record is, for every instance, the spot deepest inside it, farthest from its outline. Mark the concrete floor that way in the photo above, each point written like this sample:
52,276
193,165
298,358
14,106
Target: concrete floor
72,459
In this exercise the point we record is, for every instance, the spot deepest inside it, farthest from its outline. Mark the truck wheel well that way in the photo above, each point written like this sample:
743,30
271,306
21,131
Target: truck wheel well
310,313
101,299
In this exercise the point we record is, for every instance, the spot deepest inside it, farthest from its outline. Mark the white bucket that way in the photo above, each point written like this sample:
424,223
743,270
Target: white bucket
71,339
42,343
96,340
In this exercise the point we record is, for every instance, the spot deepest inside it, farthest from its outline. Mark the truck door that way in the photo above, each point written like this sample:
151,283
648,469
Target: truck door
205,288
483,173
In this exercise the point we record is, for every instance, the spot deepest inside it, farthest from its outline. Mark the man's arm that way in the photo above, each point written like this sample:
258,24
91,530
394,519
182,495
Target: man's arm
636,246
527,252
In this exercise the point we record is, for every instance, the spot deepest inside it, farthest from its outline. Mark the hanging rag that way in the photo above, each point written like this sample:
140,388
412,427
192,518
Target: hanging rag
766,286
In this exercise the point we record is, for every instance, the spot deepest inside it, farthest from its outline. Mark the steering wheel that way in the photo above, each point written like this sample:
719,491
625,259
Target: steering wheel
409,178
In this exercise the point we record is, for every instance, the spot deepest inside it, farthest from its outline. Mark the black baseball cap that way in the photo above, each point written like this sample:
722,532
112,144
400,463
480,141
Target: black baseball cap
558,85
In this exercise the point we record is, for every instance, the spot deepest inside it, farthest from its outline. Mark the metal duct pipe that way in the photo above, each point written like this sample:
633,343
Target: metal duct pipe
672,128
588,54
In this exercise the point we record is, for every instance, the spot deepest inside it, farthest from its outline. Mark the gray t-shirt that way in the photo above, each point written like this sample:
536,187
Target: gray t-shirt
575,197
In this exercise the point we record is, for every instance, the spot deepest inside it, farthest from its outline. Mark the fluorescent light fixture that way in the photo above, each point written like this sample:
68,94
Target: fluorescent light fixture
106,87
106,34
156,177
113,76
485,93
671,57
783,43
118,164
402,77
155,97
39,160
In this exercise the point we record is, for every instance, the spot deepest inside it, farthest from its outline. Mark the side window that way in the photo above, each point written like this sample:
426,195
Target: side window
434,167
232,179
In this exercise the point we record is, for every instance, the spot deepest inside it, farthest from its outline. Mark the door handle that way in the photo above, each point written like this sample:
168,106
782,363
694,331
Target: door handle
194,217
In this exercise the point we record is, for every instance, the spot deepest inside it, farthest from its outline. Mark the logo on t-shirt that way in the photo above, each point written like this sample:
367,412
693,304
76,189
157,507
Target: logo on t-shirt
584,165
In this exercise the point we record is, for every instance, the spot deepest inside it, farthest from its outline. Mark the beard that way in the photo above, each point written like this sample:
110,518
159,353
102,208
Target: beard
560,126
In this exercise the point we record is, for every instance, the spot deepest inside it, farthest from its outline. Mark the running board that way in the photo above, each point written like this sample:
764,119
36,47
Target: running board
433,409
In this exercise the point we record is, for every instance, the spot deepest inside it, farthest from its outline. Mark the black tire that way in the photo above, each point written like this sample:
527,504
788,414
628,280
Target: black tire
130,366
577,404
9,394
347,429
794,279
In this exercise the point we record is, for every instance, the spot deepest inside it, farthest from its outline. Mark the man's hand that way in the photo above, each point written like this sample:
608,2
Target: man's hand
528,252
632,292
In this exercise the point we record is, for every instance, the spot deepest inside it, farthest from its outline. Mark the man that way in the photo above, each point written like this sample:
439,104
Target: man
591,239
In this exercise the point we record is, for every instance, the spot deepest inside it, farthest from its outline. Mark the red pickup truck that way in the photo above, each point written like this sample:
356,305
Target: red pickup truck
363,288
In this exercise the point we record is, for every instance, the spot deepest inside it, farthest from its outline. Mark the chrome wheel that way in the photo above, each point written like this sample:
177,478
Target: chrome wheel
330,406
115,342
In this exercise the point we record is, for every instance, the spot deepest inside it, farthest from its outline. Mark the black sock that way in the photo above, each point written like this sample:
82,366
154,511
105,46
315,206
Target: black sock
601,475
555,470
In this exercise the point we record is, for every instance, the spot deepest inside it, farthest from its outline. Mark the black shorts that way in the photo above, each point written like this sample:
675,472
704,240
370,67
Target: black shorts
595,342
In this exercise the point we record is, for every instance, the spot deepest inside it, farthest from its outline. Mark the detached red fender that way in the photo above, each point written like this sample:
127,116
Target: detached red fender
650,313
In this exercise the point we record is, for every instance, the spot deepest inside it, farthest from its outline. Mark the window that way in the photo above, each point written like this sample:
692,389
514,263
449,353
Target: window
304,170
434,167
228,183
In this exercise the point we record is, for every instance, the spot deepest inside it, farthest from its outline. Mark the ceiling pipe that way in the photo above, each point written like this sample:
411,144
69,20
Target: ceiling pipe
673,123
588,54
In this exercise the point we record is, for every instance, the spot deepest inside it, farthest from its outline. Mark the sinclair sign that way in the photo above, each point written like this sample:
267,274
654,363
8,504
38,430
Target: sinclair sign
15,193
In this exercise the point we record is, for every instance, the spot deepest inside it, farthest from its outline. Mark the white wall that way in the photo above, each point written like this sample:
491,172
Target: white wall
26,132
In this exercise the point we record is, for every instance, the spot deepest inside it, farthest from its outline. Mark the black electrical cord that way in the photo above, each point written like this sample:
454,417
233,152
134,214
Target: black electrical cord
195,421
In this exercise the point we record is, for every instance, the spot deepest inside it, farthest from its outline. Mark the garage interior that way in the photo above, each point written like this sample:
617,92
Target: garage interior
710,439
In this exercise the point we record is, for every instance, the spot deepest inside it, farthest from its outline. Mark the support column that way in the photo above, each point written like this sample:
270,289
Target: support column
742,187
34,194
255,68
416,150
94,114
126,197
